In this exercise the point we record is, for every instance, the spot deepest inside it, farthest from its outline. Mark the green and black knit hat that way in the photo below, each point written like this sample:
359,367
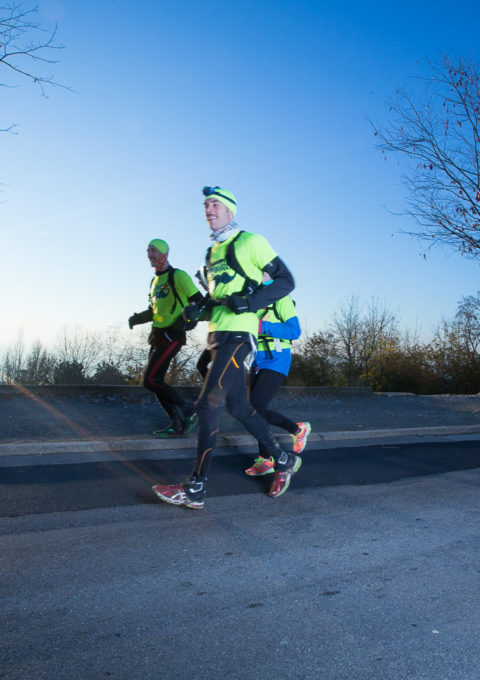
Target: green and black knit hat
224,196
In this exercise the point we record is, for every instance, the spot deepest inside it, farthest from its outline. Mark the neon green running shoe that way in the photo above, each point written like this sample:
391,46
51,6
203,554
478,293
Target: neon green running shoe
167,432
190,424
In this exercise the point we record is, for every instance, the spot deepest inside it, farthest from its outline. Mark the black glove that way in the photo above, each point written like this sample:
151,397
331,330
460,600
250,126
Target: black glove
191,314
237,303
140,317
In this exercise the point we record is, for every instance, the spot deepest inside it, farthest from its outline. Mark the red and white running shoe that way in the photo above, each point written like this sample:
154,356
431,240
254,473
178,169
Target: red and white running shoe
282,478
175,494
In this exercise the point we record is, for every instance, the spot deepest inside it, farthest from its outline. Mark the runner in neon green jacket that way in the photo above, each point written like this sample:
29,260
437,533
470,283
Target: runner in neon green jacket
170,290
234,298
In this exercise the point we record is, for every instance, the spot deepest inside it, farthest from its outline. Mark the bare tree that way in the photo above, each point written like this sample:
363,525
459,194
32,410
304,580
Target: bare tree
363,337
314,360
377,332
26,46
437,130
116,347
467,324
39,366
77,346
136,352
346,327
13,361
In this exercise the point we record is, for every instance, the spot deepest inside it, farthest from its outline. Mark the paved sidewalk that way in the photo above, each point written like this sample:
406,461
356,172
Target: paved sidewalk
87,419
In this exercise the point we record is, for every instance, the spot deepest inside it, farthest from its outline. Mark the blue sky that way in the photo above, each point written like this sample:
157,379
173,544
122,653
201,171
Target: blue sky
268,99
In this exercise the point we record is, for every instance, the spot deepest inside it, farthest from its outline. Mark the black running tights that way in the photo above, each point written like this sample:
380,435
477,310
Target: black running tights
263,387
159,358
226,383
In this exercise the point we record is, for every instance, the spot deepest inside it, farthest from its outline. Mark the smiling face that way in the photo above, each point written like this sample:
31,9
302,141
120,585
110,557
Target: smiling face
217,214
158,260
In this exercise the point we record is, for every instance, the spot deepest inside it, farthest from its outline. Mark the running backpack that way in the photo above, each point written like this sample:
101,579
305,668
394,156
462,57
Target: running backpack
171,283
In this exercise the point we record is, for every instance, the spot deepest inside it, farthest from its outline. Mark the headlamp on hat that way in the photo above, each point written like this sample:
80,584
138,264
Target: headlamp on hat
222,195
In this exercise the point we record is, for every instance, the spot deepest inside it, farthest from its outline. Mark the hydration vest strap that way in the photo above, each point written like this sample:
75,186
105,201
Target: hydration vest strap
171,283
250,285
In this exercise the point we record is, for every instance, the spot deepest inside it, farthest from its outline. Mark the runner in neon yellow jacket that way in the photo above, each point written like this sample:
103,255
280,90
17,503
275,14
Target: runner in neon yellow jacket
233,329
170,290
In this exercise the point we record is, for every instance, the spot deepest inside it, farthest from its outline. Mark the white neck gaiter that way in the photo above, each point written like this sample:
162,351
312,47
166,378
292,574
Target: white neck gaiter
225,232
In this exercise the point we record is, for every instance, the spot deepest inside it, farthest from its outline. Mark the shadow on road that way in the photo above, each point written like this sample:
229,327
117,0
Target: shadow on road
58,488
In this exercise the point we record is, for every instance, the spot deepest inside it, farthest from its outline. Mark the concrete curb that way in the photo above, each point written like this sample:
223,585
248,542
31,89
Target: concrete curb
233,440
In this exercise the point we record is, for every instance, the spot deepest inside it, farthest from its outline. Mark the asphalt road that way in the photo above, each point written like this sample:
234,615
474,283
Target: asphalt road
368,568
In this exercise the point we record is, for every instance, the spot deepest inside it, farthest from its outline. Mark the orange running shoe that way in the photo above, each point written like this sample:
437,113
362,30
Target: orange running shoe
261,466
301,436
